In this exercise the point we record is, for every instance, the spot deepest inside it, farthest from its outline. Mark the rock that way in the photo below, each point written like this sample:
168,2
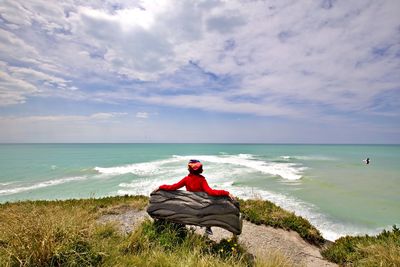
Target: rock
196,208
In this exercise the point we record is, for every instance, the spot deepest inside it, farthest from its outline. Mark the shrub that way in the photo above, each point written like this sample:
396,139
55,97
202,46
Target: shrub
380,250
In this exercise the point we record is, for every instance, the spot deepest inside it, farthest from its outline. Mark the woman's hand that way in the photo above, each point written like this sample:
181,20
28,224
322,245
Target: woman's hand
155,190
232,196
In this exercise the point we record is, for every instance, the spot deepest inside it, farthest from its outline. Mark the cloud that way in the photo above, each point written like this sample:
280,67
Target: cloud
142,115
96,117
286,58
224,24
18,83
14,91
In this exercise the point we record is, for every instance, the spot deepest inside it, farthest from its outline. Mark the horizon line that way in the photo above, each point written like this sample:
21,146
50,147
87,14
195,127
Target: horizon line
192,143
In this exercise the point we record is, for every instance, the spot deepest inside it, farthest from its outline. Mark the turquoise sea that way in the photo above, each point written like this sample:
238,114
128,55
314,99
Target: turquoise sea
330,185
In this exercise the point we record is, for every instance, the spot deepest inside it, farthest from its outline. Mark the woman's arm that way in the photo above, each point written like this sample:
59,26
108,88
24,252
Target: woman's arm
173,186
212,192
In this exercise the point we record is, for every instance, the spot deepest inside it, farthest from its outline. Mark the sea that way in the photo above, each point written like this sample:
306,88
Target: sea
330,185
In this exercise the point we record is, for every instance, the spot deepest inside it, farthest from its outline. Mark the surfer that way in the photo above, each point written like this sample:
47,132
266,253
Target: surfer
195,182
366,161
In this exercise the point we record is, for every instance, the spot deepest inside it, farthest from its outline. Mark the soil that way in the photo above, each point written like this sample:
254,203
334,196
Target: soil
257,239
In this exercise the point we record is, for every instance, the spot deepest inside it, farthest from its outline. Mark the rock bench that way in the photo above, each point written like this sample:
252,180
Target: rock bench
196,208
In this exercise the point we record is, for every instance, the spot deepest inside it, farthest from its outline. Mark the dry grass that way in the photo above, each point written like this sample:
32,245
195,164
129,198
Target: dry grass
380,250
273,259
381,255
66,233
34,235
54,233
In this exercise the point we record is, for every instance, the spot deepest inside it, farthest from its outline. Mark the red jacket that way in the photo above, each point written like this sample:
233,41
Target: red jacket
195,183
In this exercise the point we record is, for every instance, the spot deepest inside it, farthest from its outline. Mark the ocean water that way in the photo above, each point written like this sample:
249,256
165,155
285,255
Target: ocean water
330,185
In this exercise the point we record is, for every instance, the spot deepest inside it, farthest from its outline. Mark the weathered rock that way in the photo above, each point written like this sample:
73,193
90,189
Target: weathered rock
196,208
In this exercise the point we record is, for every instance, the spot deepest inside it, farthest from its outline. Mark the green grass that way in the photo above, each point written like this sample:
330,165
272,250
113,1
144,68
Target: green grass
67,233
267,213
380,250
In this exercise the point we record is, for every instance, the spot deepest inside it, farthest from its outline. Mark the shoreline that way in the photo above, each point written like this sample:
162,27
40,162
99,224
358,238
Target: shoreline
256,197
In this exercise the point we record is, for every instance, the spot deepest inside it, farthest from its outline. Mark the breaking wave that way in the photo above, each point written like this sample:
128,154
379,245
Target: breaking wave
285,170
54,182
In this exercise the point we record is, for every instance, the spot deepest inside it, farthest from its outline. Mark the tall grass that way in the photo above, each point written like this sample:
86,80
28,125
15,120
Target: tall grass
66,233
380,250
274,258
267,213
54,233
34,235
175,245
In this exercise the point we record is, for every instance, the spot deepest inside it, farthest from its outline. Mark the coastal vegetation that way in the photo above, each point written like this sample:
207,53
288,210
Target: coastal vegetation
265,212
379,250
68,233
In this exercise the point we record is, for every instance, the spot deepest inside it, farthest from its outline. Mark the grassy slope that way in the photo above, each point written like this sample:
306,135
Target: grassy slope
266,212
380,250
66,233
54,233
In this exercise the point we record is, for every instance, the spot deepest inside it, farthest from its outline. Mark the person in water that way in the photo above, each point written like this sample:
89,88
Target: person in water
195,182
366,161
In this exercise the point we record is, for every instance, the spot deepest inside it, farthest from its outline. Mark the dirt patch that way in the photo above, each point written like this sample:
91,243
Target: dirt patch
261,239
257,239
126,220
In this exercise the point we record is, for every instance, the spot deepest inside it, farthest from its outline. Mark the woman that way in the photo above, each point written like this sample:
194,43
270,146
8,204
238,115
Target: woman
195,182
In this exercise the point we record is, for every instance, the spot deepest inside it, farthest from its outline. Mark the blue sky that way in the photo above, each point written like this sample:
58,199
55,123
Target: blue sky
200,71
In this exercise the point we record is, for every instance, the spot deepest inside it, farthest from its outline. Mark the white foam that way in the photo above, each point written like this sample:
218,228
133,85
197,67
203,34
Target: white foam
141,169
140,187
20,189
289,171
315,158
7,183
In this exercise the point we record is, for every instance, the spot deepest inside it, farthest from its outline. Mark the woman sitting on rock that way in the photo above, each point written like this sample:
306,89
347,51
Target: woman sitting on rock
195,182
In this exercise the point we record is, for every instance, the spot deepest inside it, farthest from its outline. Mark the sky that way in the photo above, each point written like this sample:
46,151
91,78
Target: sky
200,71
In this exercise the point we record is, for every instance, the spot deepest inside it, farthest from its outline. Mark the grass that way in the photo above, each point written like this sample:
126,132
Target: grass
267,213
175,245
66,233
380,250
55,233
272,259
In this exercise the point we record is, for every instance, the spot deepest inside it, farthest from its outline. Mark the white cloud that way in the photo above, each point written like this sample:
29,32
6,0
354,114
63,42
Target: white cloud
142,115
96,117
17,83
107,116
343,54
14,91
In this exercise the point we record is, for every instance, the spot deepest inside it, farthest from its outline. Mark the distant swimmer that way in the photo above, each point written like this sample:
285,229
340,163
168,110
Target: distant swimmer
366,161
